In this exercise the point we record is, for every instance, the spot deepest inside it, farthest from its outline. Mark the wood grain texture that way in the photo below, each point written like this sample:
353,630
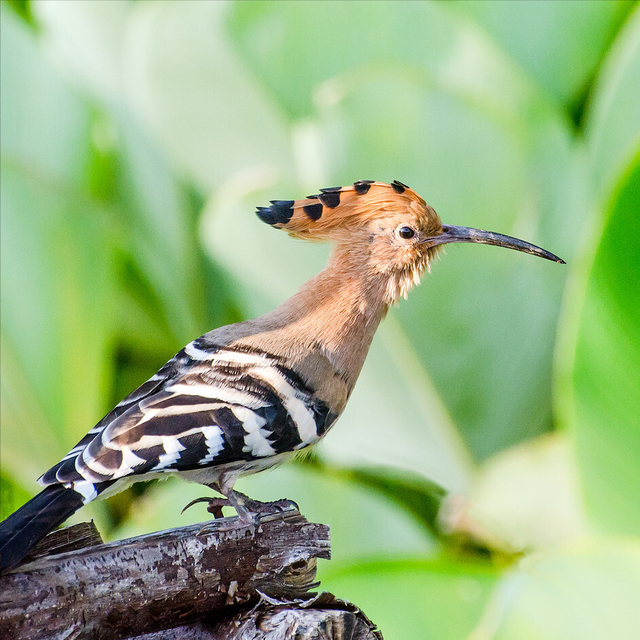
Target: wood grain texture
322,618
162,580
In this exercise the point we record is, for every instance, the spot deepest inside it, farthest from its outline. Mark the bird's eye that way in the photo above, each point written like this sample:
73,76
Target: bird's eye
406,232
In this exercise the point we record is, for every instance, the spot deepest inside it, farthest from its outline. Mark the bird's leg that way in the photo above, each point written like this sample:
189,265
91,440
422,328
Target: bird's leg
234,498
247,508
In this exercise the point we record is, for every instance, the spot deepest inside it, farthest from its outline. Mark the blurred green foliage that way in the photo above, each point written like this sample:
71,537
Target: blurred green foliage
137,138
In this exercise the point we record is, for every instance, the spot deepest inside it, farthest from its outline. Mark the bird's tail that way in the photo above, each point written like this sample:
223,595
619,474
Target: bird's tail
22,530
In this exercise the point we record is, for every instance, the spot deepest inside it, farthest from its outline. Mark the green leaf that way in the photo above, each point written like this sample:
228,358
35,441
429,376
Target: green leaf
612,124
155,214
559,44
146,57
161,234
22,9
227,124
44,125
86,39
587,592
526,497
364,524
57,300
57,264
416,599
29,443
395,418
599,396
296,48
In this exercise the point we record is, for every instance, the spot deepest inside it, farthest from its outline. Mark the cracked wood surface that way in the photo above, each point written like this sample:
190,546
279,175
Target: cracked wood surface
162,580
322,618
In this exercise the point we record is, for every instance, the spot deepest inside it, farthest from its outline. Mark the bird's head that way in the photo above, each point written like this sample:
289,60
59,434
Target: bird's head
388,228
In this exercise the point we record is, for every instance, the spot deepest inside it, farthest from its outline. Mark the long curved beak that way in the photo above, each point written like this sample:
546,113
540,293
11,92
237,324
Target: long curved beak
451,233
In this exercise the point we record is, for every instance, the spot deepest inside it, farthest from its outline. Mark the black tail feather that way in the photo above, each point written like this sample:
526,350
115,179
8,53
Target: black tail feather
22,530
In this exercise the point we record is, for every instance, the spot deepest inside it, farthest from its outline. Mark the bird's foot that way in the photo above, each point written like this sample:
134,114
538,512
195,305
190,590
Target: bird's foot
248,510
277,506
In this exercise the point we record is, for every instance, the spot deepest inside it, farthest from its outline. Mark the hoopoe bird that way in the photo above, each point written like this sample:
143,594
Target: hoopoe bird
247,396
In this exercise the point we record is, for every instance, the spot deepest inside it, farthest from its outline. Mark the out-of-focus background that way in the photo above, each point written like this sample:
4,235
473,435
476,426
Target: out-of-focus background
484,481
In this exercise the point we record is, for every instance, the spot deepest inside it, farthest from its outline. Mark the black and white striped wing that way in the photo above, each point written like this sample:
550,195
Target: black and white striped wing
207,407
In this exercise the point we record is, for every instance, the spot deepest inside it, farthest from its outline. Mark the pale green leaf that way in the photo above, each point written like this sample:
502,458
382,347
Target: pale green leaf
57,261
585,592
526,497
179,50
295,48
558,44
613,120
417,599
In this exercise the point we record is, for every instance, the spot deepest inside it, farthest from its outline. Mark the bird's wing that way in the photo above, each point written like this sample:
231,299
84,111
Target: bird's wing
208,406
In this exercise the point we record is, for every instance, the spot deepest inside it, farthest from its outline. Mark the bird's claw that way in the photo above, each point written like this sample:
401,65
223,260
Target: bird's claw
214,505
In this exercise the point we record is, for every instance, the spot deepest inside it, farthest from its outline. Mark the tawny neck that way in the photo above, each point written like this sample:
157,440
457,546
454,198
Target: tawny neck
337,312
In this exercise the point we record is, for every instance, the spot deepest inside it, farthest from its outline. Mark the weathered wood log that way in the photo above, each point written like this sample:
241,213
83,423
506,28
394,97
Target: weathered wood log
162,580
322,618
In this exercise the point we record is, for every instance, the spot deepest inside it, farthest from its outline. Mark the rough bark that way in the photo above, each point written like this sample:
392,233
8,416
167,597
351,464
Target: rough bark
322,618
162,580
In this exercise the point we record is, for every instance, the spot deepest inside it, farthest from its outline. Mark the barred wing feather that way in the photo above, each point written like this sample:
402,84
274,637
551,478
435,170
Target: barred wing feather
205,408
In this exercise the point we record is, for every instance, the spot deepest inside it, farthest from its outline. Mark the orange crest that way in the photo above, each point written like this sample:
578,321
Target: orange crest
335,208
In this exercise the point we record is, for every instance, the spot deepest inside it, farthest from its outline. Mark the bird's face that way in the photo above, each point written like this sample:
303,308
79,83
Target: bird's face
400,240
397,246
